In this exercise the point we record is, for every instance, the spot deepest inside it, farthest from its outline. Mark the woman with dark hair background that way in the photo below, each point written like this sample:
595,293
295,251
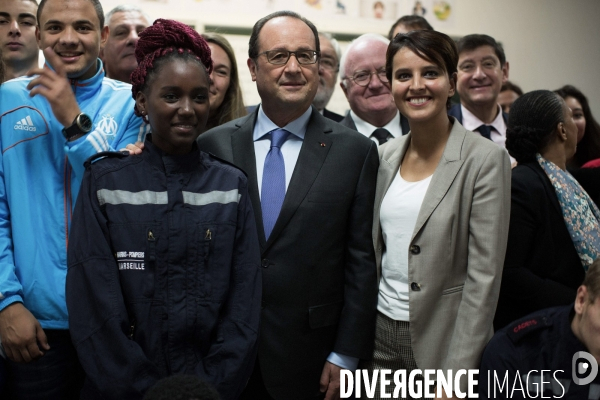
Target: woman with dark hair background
554,233
226,101
588,129
584,165
440,220
163,257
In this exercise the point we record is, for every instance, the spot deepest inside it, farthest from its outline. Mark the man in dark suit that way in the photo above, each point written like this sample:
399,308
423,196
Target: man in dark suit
372,109
482,69
312,185
329,66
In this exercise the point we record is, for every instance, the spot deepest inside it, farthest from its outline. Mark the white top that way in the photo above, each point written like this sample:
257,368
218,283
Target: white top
367,129
399,211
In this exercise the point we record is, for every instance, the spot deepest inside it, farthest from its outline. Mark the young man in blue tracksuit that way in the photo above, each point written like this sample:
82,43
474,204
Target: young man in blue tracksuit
49,124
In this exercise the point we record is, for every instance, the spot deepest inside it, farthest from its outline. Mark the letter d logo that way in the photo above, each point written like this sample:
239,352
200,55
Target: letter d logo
583,367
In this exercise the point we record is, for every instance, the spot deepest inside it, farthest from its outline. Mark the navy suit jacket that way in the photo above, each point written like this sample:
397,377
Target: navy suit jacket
332,116
319,275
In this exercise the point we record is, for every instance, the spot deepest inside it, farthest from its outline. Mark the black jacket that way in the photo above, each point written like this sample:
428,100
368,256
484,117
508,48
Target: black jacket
540,341
319,273
589,179
332,116
542,268
164,274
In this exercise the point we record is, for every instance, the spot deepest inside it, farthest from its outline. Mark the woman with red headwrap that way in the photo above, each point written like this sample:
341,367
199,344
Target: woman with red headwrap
163,256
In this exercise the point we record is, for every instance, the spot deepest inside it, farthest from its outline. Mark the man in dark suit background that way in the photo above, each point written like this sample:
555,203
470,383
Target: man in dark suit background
329,67
482,69
312,186
372,109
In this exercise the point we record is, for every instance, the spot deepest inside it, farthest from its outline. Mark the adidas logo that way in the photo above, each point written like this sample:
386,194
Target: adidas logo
26,124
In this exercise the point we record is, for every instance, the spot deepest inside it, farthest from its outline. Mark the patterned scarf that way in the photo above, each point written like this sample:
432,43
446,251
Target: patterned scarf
580,213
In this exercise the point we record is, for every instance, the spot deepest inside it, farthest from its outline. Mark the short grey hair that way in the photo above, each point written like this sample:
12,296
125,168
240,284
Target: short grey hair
126,8
367,37
334,44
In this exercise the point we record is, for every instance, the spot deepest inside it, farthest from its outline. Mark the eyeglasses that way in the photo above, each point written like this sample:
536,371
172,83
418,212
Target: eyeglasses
363,78
329,64
281,57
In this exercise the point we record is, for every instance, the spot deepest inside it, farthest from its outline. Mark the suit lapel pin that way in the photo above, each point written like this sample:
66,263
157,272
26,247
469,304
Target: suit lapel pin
322,144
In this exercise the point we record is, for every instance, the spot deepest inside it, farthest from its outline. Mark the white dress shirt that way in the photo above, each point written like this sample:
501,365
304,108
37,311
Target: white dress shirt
367,129
498,134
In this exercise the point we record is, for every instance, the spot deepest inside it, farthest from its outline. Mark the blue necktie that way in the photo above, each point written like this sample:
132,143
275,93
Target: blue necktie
486,131
273,181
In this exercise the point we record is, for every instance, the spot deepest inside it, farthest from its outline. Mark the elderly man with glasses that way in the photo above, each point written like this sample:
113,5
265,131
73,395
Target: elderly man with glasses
364,82
312,185
329,66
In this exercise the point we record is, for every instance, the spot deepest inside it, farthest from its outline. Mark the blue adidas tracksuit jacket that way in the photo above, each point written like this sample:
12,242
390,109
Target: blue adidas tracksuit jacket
40,175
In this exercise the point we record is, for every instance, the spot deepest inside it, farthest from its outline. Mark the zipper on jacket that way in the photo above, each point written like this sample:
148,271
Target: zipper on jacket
67,200
206,284
207,239
150,262
132,329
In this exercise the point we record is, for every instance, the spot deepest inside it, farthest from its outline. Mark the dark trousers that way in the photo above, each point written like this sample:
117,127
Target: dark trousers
256,389
56,375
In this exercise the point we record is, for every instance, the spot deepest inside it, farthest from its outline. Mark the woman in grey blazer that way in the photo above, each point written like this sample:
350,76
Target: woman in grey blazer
441,220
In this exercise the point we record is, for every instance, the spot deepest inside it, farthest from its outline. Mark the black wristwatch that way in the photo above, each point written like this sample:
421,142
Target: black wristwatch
80,126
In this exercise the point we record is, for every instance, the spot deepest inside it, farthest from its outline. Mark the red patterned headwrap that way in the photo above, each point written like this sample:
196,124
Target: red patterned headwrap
163,37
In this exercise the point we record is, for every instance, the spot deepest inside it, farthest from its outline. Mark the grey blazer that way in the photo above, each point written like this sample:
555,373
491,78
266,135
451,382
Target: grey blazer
457,248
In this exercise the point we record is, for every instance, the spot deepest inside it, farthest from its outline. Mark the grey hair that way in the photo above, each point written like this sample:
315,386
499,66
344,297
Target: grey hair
334,44
367,37
126,8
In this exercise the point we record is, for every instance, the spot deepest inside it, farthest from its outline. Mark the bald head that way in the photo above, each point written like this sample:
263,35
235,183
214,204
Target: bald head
372,100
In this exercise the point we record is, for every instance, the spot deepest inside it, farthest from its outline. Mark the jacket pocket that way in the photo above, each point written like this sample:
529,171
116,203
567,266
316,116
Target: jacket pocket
207,235
134,246
454,289
325,314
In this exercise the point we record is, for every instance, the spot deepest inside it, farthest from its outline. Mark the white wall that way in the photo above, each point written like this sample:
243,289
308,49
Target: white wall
548,43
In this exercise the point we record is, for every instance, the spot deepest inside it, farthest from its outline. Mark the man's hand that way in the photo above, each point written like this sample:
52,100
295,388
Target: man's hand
134,149
55,87
330,381
21,333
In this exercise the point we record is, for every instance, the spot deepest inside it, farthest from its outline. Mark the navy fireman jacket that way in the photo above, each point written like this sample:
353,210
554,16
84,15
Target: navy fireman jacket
163,274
